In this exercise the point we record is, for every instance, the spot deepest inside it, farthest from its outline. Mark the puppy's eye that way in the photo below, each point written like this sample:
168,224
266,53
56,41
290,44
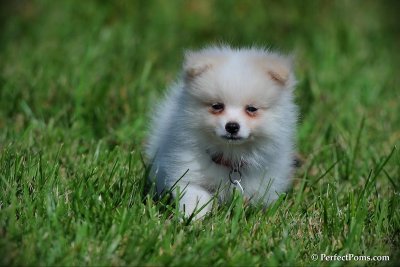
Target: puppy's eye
251,109
217,107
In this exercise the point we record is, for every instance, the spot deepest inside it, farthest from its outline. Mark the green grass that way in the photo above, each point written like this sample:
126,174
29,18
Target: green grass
79,79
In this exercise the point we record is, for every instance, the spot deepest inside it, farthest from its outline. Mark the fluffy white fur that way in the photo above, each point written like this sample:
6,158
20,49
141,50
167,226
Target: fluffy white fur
187,132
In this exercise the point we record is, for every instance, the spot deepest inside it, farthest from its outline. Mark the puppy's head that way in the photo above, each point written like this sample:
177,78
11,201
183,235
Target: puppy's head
236,96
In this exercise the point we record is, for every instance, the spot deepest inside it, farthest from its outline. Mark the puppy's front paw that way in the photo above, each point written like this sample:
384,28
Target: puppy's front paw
196,201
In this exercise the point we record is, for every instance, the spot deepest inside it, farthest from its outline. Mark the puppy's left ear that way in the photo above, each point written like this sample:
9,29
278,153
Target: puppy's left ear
196,63
280,70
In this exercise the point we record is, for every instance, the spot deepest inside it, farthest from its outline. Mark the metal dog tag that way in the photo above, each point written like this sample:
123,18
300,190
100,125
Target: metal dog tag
235,176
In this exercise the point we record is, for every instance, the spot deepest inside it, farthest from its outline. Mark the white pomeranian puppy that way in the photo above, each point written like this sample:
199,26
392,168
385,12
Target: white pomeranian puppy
229,122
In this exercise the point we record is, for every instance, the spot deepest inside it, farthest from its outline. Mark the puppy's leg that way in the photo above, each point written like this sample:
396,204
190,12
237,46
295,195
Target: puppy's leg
195,199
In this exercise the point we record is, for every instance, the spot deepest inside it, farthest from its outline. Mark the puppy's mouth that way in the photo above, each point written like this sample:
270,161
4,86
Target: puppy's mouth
231,137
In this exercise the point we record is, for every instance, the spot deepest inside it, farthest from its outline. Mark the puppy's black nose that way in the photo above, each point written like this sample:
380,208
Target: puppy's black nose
232,127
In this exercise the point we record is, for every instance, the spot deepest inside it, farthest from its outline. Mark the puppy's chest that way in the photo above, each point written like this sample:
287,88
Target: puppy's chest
215,176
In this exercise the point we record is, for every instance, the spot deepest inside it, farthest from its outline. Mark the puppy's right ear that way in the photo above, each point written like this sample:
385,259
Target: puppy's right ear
195,64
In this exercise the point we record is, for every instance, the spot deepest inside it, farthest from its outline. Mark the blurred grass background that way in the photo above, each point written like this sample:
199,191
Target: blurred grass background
79,80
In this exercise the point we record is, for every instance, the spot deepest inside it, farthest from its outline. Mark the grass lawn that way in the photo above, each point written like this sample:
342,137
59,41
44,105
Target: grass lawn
79,79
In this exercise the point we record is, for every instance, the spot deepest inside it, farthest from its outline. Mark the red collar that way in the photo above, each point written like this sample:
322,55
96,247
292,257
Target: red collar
219,159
